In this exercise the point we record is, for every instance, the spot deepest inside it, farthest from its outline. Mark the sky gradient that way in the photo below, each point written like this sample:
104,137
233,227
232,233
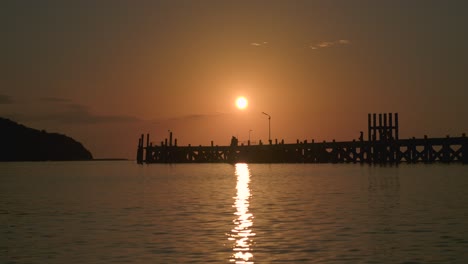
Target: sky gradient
103,72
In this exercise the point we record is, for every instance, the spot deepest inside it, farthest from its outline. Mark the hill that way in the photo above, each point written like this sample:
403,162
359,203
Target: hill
21,143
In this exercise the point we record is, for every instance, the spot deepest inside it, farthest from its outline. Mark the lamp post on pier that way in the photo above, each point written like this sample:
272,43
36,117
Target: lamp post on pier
269,126
170,137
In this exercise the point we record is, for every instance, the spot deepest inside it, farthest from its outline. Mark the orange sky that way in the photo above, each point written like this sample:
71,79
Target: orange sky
106,72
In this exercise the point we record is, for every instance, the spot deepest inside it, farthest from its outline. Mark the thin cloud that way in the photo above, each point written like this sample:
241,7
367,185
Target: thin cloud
5,99
325,44
258,44
329,44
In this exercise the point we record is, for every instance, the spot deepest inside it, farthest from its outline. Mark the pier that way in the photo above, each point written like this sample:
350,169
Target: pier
383,145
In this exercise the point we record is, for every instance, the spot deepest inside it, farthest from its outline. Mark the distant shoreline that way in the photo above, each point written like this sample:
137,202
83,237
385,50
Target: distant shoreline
106,159
110,159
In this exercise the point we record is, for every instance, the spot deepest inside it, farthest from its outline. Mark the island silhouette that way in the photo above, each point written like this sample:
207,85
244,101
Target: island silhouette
21,143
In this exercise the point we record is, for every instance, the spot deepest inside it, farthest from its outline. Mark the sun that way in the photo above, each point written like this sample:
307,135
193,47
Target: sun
241,102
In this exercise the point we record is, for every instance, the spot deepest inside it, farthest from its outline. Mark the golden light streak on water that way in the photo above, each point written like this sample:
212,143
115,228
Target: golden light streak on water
242,234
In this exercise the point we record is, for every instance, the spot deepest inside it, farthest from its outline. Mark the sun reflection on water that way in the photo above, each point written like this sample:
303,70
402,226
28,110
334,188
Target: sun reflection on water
242,235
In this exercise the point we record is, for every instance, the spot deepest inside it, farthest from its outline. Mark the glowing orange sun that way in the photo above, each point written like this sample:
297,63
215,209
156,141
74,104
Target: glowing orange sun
242,103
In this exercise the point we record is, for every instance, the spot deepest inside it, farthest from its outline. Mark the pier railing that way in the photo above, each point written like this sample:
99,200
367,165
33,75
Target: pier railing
427,150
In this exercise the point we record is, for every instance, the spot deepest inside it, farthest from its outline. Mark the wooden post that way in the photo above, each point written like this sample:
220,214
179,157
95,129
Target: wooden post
148,152
391,138
388,128
170,139
140,151
366,150
369,127
371,149
374,127
380,126
142,148
385,148
385,120
390,124
464,149
396,126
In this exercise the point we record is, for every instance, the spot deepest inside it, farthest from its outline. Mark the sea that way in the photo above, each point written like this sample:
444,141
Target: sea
121,212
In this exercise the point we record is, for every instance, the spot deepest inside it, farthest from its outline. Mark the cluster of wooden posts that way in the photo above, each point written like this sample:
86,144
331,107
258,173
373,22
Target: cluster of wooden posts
382,146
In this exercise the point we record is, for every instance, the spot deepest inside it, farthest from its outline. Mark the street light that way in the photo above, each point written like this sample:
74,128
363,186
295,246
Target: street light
269,126
249,133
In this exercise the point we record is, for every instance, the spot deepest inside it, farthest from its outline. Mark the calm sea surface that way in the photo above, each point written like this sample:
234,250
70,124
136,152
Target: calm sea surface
120,212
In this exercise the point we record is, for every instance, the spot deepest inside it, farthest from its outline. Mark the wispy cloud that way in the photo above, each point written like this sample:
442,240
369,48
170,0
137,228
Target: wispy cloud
328,44
258,44
5,99
325,44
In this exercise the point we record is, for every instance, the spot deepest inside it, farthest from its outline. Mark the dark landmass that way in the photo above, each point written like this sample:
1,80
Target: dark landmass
20,143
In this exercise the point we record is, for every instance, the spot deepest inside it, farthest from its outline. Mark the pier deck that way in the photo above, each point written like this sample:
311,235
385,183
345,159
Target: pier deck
382,146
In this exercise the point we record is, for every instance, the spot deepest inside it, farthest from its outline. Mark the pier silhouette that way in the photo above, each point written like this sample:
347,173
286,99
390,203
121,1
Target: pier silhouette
383,145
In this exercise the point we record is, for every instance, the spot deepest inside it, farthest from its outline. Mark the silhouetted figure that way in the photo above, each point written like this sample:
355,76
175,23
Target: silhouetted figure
234,142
